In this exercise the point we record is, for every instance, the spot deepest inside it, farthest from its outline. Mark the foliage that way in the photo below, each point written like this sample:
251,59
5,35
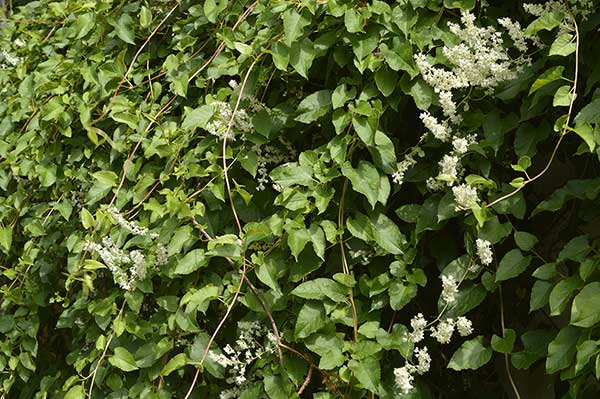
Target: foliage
282,199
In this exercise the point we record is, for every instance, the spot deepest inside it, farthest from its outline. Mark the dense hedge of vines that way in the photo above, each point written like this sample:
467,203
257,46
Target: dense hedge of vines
314,199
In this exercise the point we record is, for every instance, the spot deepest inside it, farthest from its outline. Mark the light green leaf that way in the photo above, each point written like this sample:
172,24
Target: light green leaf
106,177
123,359
175,363
76,392
548,21
311,319
314,106
125,28
198,117
87,219
6,238
145,17
562,97
547,77
321,288
563,45
212,9
191,262
585,309
587,133
328,347
585,351
401,294
472,355
289,174
293,25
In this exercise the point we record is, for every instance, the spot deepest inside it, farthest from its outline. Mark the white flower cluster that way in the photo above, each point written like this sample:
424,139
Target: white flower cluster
404,376
248,348
570,7
11,59
479,60
442,332
449,289
271,155
484,251
132,227
117,261
465,197
406,163
218,125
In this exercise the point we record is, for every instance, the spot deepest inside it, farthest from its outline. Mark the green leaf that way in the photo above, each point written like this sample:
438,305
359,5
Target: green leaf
387,235
576,250
546,271
198,117
563,45
366,180
125,28
123,359
321,288
106,177
587,133
401,294
191,262
145,17
329,348
87,219
525,241
277,386
562,349
504,344
314,106
175,363
562,97
367,371
561,294
297,239
471,355
341,95
281,55
302,55
386,81
590,113
212,9
548,21
290,174
462,4
353,21
585,351
293,25
539,295
76,392
585,309
547,77
311,319
6,238
511,265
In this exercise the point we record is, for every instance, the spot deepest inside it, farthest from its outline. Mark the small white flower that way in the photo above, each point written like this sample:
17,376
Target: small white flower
449,289
449,167
464,326
484,251
423,360
443,332
460,144
404,379
465,197
418,324
440,131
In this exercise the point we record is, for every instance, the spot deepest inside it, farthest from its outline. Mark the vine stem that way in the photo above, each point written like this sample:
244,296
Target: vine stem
564,130
506,365
240,232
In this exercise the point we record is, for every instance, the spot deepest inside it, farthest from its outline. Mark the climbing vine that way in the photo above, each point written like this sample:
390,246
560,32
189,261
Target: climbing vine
294,199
